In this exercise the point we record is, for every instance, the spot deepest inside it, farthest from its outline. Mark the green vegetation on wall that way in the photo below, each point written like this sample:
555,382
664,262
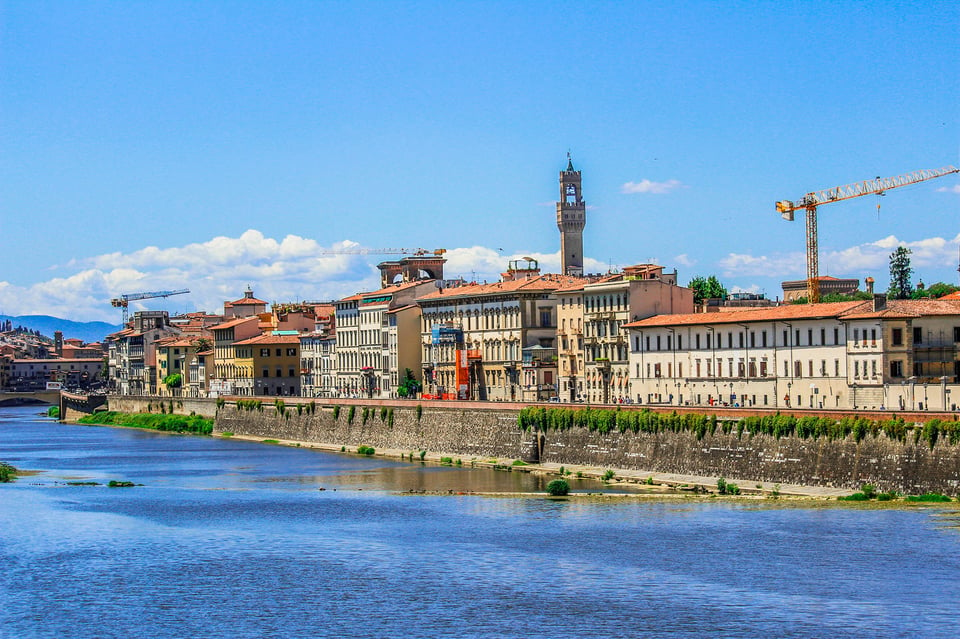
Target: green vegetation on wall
169,423
605,420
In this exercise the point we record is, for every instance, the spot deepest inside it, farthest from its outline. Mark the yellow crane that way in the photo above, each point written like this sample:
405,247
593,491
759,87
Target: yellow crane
812,200
383,251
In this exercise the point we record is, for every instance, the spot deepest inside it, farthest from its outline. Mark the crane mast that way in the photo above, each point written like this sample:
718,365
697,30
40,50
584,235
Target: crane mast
812,200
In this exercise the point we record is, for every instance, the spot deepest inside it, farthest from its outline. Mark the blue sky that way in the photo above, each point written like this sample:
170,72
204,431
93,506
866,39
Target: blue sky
211,145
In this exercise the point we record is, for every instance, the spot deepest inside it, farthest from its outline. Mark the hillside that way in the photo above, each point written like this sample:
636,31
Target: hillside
47,325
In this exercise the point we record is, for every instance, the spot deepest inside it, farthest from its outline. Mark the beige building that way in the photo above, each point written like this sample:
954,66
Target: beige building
593,347
229,378
378,337
489,325
874,354
271,363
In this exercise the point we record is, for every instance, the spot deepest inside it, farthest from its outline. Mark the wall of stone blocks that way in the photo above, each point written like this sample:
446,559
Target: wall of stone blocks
491,431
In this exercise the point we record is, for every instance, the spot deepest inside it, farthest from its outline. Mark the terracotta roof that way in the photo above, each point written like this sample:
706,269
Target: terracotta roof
246,301
549,282
951,296
269,339
861,309
236,322
778,313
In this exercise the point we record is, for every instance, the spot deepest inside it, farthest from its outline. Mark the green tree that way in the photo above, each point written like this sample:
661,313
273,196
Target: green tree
173,381
934,291
409,386
900,272
706,288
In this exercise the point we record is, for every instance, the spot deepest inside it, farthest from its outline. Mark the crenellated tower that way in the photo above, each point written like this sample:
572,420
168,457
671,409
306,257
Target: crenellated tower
571,218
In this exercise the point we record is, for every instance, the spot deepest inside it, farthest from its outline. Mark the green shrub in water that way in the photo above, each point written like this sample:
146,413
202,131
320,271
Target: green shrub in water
558,488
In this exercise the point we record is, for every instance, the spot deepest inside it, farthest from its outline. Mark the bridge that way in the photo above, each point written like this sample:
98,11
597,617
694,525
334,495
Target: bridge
34,397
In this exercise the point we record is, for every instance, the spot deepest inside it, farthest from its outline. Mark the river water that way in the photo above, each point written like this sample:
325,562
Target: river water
235,539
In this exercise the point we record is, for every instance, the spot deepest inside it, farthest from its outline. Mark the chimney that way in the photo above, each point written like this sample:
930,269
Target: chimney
879,301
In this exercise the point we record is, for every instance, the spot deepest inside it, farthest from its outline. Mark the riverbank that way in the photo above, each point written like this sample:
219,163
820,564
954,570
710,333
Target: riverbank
652,481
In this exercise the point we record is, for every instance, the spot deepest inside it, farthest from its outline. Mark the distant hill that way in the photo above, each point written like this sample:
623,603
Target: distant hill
47,325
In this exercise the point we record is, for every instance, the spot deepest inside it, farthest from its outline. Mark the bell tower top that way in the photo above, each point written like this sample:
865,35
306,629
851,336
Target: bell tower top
571,218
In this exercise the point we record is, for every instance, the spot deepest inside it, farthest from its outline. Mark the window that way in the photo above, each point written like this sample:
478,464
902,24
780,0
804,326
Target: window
918,369
680,342
856,370
697,340
956,333
796,337
810,368
836,368
763,370
856,336
544,318
897,337
753,339
836,336
873,337
896,368
266,373
708,340
917,335
729,340
658,342
785,338
292,372
292,352
873,368
763,338
740,339
810,336
823,336
264,352
279,351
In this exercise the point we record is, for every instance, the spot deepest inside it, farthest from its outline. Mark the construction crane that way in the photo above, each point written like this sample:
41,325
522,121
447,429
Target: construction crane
124,300
383,251
811,201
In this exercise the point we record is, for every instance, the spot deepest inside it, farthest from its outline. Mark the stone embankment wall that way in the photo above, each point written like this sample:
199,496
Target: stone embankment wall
484,430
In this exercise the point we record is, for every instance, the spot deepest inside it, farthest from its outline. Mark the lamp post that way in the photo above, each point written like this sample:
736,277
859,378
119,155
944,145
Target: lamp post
787,398
926,405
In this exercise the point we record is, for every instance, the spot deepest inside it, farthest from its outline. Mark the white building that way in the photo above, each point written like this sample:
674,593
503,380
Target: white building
874,354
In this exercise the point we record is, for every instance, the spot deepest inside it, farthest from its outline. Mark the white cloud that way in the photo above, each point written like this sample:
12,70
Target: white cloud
291,269
684,260
949,189
648,186
852,261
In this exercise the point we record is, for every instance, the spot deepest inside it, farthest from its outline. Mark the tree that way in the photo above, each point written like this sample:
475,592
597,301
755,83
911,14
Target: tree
173,381
409,387
706,288
934,291
900,272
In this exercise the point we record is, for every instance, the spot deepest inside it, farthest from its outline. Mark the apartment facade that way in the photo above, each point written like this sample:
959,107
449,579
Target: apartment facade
848,355
473,336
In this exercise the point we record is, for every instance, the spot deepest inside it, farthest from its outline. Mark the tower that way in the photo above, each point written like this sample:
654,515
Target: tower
571,217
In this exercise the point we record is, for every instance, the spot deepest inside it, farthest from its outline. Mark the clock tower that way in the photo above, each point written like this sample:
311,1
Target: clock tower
571,217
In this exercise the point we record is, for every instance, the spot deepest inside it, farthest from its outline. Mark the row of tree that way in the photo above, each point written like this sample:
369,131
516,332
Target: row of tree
901,286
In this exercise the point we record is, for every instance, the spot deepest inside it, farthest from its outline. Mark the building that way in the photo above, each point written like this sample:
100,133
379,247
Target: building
269,364
318,355
378,337
132,353
797,289
875,354
33,374
593,357
228,378
571,218
473,335
246,306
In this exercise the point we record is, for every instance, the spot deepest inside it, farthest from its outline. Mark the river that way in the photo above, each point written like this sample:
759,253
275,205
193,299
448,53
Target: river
236,539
